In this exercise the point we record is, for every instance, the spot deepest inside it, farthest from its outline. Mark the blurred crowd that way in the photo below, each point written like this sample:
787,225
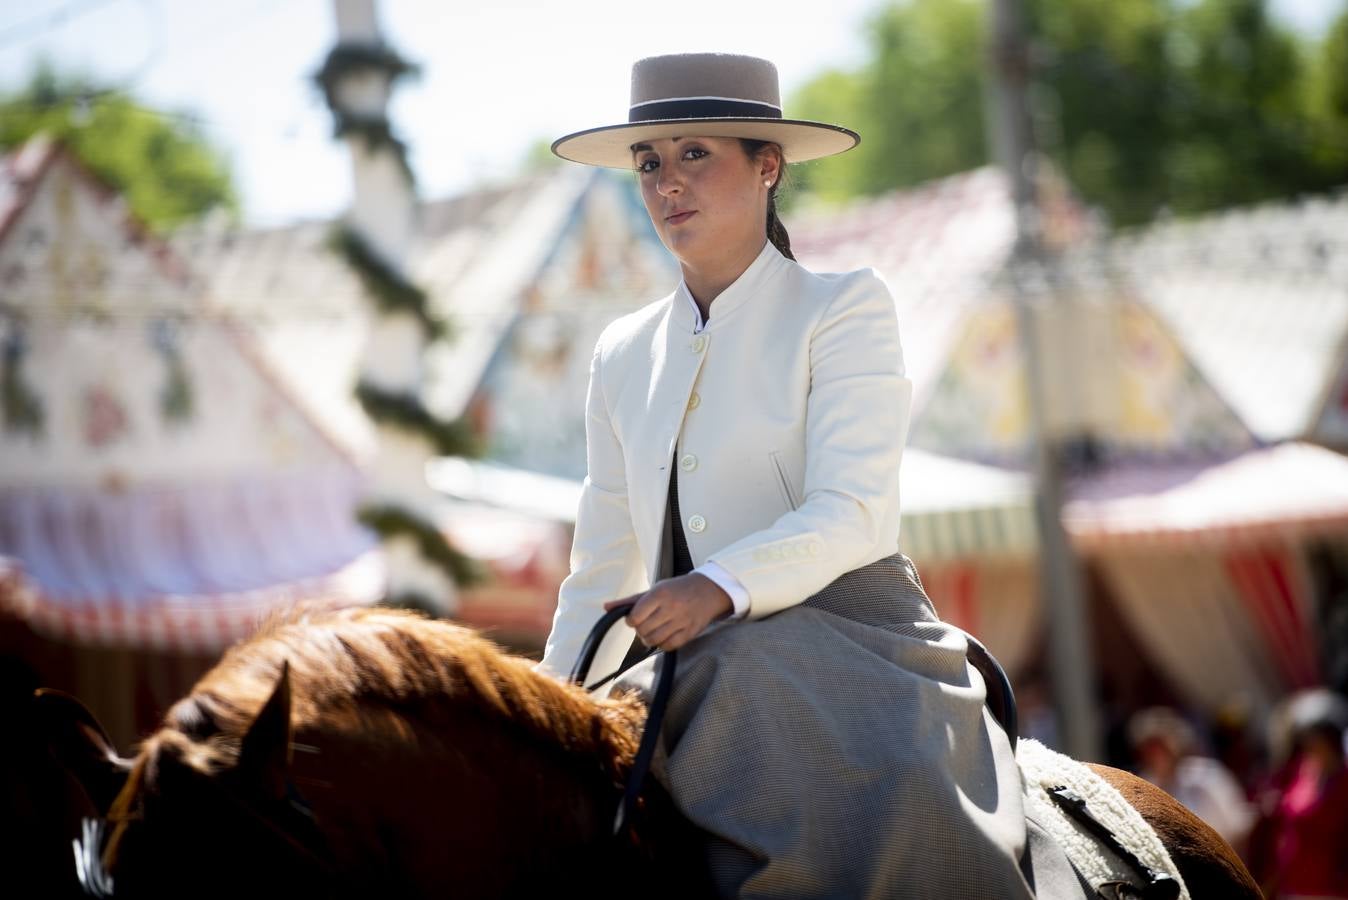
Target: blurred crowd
1276,789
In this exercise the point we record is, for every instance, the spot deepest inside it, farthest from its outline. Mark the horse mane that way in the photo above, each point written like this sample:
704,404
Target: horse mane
380,672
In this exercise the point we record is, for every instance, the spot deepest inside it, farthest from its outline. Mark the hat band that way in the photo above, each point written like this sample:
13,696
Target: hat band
702,108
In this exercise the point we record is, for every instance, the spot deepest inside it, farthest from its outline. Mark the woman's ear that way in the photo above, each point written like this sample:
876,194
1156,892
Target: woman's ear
770,165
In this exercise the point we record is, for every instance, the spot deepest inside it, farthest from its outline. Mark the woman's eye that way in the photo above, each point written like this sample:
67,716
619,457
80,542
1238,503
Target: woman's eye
650,164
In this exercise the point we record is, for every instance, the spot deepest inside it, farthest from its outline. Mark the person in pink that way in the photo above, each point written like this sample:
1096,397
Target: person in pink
1305,831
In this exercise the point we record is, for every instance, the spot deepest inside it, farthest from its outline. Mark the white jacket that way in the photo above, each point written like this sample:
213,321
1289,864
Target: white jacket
790,410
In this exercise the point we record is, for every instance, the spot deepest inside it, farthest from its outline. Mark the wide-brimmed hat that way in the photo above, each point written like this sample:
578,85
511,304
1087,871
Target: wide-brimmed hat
711,94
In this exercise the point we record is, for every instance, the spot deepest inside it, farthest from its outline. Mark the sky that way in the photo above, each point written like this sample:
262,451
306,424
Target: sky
497,75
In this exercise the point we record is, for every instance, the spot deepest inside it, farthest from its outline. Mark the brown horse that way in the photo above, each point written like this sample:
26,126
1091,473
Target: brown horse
375,752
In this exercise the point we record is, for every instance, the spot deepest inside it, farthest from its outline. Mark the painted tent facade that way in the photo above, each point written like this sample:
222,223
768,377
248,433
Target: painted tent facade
161,486
531,307
1257,297
162,490
1183,513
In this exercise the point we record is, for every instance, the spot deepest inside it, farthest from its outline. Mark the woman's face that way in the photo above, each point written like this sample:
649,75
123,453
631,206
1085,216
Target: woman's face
705,196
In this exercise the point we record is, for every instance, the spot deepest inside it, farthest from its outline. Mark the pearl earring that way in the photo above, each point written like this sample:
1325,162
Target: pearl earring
767,184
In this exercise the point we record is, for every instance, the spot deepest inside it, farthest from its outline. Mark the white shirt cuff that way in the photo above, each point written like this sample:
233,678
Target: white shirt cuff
739,595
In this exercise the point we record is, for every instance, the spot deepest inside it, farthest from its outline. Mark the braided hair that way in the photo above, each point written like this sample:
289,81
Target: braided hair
776,230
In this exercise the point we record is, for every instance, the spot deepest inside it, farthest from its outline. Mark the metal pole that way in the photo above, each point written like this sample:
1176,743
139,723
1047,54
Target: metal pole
1033,283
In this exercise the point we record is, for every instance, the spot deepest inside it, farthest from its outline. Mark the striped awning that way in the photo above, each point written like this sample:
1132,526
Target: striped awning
954,509
183,623
1285,491
189,567
1221,622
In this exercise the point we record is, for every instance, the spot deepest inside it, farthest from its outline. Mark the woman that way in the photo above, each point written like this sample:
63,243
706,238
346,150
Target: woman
1300,846
743,442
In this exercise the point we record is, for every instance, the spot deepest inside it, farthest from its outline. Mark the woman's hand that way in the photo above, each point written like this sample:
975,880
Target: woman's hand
676,610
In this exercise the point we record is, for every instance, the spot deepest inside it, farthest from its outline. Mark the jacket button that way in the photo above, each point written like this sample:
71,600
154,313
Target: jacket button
697,524
694,400
688,463
699,343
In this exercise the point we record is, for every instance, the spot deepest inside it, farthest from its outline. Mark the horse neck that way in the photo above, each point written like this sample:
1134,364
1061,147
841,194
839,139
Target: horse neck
461,803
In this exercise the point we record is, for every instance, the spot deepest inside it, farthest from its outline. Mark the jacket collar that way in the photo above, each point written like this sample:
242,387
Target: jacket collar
685,313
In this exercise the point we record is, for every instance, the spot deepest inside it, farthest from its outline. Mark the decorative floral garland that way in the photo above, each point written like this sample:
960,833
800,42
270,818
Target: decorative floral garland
456,438
22,407
378,134
392,293
390,290
176,397
393,521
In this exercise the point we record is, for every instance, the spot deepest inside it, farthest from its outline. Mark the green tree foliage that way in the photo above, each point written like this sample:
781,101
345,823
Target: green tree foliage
1334,65
162,164
1328,92
1102,81
1241,130
1145,104
917,105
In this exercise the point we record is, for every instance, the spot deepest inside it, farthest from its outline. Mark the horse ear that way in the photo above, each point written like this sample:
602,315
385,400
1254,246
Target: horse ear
264,756
78,741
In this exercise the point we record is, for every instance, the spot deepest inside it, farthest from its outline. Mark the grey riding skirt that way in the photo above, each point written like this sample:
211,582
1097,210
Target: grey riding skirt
841,748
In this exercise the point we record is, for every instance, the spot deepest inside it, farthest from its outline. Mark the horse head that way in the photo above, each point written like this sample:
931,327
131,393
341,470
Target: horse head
177,822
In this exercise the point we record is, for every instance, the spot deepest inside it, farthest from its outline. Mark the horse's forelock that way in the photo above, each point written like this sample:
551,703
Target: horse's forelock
194,718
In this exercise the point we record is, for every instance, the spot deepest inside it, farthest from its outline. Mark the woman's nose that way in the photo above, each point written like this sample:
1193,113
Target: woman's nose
668,182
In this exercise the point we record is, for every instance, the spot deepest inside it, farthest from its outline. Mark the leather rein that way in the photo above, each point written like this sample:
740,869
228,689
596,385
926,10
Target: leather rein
655,714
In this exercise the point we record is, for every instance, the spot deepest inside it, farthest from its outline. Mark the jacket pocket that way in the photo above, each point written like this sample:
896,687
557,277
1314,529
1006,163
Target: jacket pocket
784,483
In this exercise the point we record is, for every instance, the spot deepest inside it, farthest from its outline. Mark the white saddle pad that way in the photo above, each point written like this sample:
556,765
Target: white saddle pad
1042,769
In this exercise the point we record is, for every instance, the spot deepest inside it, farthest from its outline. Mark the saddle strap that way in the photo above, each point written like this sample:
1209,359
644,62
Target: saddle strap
1158,885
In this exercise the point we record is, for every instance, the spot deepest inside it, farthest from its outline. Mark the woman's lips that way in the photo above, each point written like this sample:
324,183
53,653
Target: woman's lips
679,218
